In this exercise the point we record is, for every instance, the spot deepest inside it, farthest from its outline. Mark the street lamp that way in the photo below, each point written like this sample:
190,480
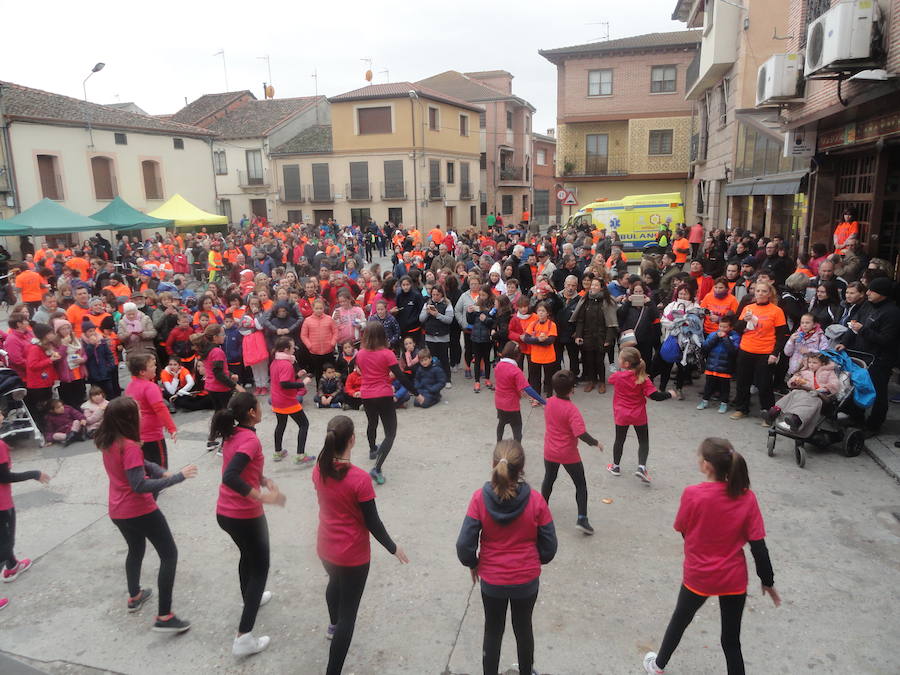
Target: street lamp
87,111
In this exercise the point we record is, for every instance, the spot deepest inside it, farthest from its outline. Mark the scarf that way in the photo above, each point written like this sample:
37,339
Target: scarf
284,356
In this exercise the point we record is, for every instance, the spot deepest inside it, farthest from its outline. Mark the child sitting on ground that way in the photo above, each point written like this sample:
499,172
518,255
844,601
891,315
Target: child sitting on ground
409,359
353,390
346,362
93,410
175,381
329,393
811,387
64,424
430,380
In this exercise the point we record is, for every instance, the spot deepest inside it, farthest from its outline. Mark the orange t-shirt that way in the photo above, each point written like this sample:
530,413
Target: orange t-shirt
761,338
437,236
31,284
80,264
75,315
843,232
681,244
719,307
541,353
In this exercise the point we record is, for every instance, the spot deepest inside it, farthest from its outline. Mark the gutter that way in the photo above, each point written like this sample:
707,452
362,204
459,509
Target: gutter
7,151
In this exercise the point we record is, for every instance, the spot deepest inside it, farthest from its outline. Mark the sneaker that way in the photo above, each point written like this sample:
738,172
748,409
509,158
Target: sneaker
723,408
793,421
737,415
614,469
679,394
373,454
534,404
329,633
171,625
345,407
489,384
11,573
4,603
304,459
583,525
449,385
650,664
212,445
641,472
264,600
895,398
377,476
477,387
468,374
279,455
246,644
703,405
135,603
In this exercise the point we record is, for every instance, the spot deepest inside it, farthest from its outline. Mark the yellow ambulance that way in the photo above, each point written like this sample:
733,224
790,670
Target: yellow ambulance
637,219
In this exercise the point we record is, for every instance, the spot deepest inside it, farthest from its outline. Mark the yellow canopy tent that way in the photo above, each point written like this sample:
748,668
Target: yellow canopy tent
185,214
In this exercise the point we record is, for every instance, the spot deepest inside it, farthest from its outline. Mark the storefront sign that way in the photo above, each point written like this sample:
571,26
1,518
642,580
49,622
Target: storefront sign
858,132
800,142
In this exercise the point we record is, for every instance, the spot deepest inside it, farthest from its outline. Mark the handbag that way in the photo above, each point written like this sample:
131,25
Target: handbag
670,350
627,338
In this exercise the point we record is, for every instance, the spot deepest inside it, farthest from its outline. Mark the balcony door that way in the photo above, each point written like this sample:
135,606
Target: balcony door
254,167
596,161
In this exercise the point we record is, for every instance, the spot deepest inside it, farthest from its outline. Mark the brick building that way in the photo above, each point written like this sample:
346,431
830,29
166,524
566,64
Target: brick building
623,125
547,209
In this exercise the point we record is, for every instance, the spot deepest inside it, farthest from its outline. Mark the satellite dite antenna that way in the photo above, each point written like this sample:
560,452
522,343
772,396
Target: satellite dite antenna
368,75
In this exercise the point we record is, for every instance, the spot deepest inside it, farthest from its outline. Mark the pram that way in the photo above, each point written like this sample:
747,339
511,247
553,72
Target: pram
17,416
831,427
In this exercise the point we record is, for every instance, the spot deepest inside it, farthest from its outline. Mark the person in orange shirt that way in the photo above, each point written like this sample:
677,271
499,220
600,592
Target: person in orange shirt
78,310
31,287
436,235
718,302
846,233
540,334
681,247
80,263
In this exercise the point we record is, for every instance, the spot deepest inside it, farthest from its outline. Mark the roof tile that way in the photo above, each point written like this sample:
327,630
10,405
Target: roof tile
312,140
647,41
400,89
256,118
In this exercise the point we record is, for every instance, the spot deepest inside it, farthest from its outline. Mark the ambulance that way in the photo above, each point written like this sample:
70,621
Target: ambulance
637,219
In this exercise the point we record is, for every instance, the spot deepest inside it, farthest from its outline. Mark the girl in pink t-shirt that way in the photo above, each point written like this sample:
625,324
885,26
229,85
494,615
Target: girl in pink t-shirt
633,388
509,383
717,518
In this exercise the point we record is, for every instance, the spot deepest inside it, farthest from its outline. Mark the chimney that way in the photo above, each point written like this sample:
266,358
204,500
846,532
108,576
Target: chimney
551,132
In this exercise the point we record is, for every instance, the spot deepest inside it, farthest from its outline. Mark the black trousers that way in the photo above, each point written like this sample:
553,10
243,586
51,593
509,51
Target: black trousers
881,376
192,403
536,370
441,351
137,531
251,535
8,558
381,408
592,367
156,452
455,346
514,419
220,399
35,400
521,610
576,473
663,368
753,369
731,608
316,362
482,359
643,435
343,595
720,385
302,423
72,393
468,353
572,350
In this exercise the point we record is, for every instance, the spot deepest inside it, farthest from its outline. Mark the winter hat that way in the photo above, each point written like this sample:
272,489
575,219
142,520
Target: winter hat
129,306
59,323
882,286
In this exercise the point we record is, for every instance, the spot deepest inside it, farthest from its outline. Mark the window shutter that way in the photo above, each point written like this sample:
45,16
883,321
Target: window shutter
291,175
393,178
321,182
359,180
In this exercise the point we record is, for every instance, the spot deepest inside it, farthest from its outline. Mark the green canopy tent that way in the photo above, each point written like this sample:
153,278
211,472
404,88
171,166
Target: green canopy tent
48,217
121,216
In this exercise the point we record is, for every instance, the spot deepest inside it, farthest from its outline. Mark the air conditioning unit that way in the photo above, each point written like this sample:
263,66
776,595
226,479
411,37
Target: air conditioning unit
779,78
844,38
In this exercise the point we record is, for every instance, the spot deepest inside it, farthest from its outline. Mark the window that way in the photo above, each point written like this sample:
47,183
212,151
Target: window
600,82
104,178
451,177
121,139
506,205
509,119
220,164
321,183
542,157
152,179
51,181
225,208
463,125
597,155
814,9
482,120
394,187
295,217
374,120
527,124
359,180
434,179
290,174
662,79
482,162
178,143
465,188
434,118
482,196
660,142
254,167
723,103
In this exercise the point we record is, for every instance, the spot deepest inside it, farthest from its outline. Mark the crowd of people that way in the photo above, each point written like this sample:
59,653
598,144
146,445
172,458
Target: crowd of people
282,314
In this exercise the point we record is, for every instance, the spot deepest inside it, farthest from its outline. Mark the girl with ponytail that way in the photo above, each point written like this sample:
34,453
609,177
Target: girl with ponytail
507,534
717,518
239,509
347,514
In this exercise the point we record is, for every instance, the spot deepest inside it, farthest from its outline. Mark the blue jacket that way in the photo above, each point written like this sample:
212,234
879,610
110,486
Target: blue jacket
101,365
233,343
481,330
720,354
430,381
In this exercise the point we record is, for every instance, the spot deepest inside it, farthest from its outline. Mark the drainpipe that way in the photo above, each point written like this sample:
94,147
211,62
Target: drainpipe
212,163
814,178
413,97
7,151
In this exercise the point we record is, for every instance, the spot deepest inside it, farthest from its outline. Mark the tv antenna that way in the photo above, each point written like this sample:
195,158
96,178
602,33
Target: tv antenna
605,24
386,73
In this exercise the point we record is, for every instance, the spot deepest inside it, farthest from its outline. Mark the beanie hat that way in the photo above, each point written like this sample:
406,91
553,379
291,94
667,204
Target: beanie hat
881,285
59,323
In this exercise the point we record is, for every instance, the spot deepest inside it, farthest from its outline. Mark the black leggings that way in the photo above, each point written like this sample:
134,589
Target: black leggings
441,351
468,353
535,370
343,594
455,347
482,359
663,368
137,531
576,473
8,539
495,624
643,435
731,608
511,417
717,385
753,369
302,422
252,538
381,408
593,369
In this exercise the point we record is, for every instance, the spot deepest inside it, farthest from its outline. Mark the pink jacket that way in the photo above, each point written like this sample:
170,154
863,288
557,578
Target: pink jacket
826,377
319,334
16,345
800,344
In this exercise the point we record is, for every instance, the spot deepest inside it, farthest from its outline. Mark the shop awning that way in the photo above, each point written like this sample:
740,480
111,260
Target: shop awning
776,184
49,217
122,216
185,214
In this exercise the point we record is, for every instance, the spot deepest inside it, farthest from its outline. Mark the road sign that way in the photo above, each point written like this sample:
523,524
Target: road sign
570,199
561,194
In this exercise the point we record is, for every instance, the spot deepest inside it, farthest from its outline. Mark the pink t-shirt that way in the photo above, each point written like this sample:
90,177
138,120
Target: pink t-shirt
343,537
563,424
212,384
6,500
630,398
509,381
375,368
147,393
230,503
283,370
716,527
508,553
696,234
123,501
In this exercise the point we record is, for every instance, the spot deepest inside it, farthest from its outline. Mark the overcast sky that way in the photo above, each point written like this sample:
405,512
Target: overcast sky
157,54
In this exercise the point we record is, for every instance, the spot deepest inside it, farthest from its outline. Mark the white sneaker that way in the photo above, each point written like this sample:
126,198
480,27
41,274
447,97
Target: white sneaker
449,385
266,596
650,664
246,644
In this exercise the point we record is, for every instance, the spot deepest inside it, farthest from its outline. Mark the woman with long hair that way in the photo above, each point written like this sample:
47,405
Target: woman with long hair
347,515
133,486
507,534
239,509
717,519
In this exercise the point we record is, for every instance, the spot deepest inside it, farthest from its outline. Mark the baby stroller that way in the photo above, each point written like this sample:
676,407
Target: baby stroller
831,426
17,416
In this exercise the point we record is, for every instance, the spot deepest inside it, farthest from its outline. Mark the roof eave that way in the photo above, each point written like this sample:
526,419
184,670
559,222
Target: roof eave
199,133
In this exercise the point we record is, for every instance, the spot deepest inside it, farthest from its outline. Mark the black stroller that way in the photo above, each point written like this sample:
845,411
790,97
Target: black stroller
17,416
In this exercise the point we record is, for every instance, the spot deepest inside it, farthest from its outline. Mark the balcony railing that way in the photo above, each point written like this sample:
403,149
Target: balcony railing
593,167
247,180
290,194
358,192
393,190
512,173
692,72
436,191
320,193
465,191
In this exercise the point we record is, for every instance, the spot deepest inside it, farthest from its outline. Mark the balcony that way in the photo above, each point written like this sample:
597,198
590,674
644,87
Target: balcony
465,191
593,167
509,174
436,191
358,192
320,193
292,194
247,181
718,49
393,190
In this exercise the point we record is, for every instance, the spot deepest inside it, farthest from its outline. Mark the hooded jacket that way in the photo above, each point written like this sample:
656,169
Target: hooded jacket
271,322
721,353
409,306
430,381
800,344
